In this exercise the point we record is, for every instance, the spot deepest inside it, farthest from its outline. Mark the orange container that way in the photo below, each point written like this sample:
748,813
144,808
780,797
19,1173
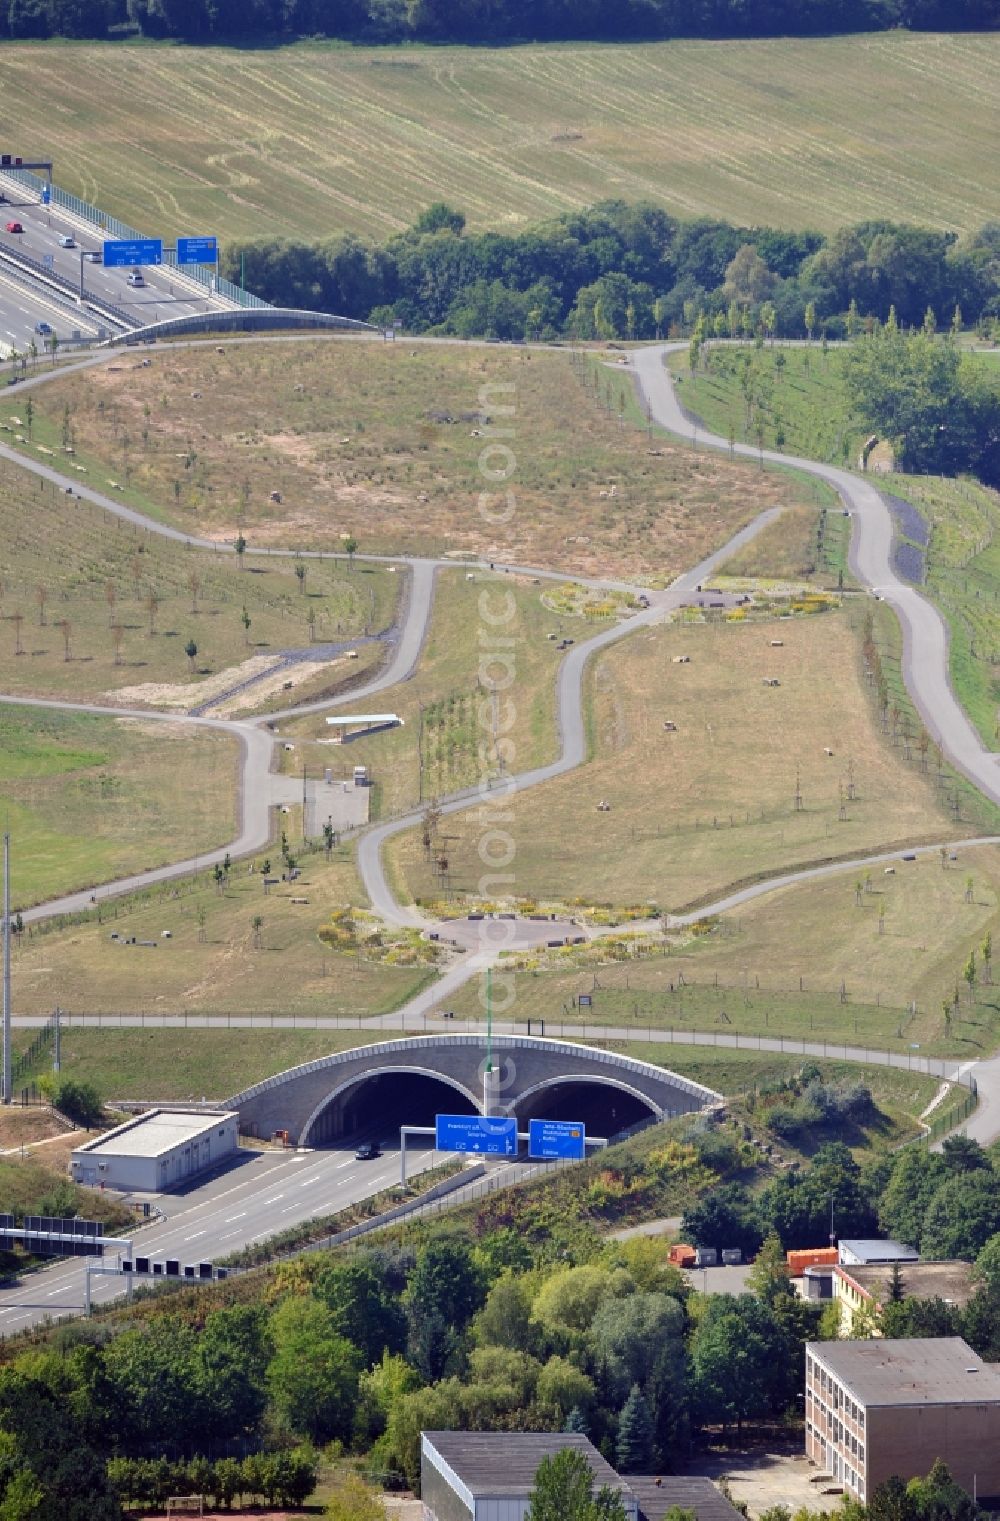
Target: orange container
818,1256
681,1255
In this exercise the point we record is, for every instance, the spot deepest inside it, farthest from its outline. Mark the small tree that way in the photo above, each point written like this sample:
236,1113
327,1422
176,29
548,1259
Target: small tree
300,575
809,316
41,597
29,414
328,837
118,635
986,951
246,621
17,618
110,597
351,547
152,604
634,1449
201,916
65,628
194,587
563,1491
240,547
257,925
191,651
969,973
969,885
219,878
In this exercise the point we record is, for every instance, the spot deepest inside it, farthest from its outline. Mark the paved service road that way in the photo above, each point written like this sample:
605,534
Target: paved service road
925,639
264,1193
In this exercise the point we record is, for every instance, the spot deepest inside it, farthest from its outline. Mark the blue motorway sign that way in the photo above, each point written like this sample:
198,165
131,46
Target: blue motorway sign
197,250
556,1138
133,251
490,1136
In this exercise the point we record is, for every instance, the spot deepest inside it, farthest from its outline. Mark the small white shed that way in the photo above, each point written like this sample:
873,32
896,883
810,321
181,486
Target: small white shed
158,1150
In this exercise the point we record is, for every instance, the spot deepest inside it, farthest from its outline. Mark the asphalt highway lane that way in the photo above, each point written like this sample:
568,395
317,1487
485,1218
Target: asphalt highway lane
262,1194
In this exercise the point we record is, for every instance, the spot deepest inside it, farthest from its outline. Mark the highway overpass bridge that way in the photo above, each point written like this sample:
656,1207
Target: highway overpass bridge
407,1082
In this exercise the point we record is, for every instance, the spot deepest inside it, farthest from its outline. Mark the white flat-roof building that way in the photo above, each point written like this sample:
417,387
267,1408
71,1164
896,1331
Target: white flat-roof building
157,1150
863,1253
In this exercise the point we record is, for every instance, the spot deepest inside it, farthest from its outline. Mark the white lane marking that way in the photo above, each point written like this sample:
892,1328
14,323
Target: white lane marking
235,1217
273,1200
192,1238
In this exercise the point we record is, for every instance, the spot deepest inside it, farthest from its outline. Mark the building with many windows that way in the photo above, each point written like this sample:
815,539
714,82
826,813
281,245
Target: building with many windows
878,1408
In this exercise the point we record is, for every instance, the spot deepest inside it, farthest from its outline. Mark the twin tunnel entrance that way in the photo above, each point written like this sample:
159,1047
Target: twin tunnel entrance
384,1101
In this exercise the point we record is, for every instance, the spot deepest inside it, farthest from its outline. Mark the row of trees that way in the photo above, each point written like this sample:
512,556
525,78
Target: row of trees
622,270
488,20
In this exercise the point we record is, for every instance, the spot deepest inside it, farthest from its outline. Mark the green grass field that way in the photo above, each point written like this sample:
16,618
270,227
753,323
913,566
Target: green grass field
388,444
693,811
88,799
70,574
213,966
783,131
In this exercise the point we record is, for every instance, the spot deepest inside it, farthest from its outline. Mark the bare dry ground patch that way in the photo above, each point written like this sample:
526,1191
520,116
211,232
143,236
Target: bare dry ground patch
385,444
792,132
691,811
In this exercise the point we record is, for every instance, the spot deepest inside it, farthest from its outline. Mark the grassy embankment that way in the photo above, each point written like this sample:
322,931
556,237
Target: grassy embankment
188,1064
87,799
72,574
742,130
384,443
804,397
211,963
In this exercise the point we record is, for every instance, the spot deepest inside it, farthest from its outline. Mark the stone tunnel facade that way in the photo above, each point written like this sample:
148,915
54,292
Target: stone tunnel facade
295,1101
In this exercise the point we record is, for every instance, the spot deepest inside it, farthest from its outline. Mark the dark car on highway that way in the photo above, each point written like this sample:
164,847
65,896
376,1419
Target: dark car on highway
368,1151
14,227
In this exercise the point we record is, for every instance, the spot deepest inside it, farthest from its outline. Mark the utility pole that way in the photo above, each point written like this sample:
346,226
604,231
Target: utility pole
8,1089
57,1031
488,1075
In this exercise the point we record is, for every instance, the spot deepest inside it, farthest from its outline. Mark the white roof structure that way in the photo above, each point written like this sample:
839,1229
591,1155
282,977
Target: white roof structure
156,1133
365,718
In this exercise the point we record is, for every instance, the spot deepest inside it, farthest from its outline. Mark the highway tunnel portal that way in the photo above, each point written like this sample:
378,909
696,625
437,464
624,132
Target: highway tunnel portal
406,1082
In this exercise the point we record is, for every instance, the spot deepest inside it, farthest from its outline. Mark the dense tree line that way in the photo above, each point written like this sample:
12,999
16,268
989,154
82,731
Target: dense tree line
620,270
376,21
946,1204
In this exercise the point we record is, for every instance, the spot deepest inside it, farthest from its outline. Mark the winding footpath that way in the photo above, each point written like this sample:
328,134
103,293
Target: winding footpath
925,670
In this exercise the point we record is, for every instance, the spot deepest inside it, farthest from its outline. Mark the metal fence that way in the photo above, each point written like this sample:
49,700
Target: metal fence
105,222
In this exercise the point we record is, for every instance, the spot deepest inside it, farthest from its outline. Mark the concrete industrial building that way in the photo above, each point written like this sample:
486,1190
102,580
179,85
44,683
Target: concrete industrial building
489,1476
857,1289
878,1408
157,1150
